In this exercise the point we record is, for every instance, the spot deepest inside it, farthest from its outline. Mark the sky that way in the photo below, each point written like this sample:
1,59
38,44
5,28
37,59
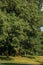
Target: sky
42,10
41,28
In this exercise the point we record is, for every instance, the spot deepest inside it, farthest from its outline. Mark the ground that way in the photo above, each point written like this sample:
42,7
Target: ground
23,60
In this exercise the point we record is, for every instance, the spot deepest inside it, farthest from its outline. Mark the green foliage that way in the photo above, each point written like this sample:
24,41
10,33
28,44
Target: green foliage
20,26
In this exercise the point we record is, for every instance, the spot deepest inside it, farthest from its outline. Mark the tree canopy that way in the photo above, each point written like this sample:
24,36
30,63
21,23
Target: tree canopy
20,22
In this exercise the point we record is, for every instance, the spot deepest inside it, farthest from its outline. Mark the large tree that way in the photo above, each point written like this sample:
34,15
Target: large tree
20,26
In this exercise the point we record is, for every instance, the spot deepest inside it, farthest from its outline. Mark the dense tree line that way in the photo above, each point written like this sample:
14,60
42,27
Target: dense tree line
20,22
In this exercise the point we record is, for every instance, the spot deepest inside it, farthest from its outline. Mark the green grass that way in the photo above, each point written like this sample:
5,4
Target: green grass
22,60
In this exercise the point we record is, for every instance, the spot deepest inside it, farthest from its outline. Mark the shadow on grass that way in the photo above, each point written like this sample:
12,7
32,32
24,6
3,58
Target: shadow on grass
13,64
18,64
5,58
41,64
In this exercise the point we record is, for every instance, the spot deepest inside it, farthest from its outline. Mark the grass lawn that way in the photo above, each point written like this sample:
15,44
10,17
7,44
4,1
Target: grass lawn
22,60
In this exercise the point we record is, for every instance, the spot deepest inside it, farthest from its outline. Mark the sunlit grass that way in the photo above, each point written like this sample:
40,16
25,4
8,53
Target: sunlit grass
23,60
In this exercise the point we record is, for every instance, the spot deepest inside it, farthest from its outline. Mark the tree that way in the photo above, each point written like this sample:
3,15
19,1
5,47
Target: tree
21,25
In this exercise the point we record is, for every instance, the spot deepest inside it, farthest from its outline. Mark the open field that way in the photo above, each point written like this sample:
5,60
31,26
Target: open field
22,60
